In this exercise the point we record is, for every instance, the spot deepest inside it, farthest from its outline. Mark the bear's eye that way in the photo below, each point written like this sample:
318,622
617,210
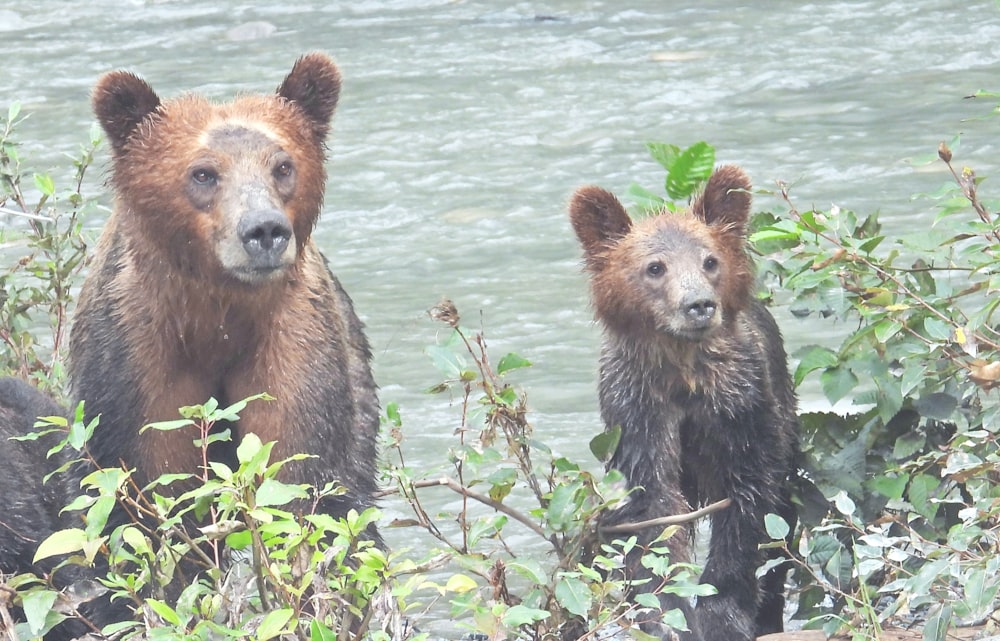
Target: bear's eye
656,269
711,263
204,177
283,170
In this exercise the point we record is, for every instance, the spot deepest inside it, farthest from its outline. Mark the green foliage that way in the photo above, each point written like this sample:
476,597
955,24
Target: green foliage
910,458
900,504
687,170
571,582
304,574
45,255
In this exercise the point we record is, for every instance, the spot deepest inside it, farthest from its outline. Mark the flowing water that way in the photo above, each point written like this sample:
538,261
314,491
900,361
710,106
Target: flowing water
464,127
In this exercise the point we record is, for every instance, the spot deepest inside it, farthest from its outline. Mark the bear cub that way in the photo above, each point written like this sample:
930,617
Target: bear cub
694,372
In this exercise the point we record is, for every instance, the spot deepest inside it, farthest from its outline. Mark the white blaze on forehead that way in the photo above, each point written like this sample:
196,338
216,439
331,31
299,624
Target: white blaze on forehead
234,124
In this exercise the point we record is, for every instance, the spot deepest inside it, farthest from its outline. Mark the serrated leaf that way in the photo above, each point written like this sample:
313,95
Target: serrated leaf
811,358
666,155
837,383
691,168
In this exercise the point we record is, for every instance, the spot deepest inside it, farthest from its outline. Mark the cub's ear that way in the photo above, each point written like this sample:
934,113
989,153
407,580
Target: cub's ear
598,220
726,200
121,101
313,85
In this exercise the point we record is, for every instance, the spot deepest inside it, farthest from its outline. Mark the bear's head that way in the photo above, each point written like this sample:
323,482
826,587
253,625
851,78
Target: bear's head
681,275
226,193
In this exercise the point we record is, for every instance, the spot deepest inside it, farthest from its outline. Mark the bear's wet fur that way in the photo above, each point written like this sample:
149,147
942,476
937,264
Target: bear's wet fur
206,283
29,507
694,372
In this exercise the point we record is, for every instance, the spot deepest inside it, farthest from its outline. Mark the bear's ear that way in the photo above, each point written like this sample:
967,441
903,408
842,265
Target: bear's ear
726,200
121,101
598,220
314,86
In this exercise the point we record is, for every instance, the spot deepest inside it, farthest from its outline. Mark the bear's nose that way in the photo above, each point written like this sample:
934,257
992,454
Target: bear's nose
265,234
700,311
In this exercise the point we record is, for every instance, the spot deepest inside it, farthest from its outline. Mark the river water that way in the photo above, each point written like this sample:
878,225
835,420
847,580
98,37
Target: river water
464,127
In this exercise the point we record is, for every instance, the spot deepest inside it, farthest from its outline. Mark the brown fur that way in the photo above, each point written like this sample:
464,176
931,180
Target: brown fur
694,373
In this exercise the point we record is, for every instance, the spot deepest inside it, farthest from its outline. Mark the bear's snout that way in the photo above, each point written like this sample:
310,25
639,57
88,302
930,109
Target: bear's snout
698,311
264,234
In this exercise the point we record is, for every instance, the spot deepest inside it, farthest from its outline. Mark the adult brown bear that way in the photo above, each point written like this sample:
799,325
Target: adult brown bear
693,371
206,283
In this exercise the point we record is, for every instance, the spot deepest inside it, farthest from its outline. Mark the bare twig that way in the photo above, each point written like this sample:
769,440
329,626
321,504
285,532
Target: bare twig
663,521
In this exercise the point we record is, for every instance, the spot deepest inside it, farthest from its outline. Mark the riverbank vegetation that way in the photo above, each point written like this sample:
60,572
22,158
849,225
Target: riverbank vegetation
899,496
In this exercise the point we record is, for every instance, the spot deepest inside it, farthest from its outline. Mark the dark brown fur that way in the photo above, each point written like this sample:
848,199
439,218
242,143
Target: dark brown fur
693,370
206,283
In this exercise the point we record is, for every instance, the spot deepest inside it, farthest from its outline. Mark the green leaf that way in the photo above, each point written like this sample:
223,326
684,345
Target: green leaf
520,615
60,542
320,632
529,569
919,492
164,611
511,362
564,505
844,504
890,487
45,184
446,361
274,623
811,358
604,445
272,492
460,583
837,383
937,625
574,595
777,527
689,170
937,329
647,200
248,448
938,405
167,426
664,154
37,604
675,619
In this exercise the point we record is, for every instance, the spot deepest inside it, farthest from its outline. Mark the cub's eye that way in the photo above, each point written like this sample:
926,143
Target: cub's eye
711,263
656,269
204,177
284,169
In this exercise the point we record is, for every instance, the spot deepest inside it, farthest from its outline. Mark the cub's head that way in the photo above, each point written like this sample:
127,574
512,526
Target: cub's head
224,192
681,275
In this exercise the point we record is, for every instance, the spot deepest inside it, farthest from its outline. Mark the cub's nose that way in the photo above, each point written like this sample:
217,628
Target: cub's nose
700,311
